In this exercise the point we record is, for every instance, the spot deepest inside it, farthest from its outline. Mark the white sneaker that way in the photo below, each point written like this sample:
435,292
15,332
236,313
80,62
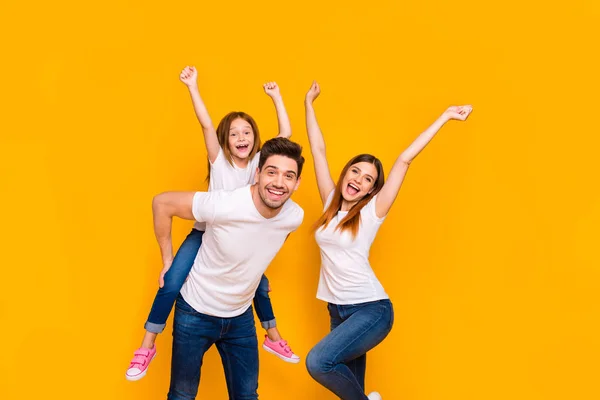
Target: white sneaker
374,396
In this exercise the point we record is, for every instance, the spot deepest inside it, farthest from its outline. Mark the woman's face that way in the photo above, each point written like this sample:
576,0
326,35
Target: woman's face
358,181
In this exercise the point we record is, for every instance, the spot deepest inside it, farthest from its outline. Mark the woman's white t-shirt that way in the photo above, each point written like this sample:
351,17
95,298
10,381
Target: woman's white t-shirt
346,274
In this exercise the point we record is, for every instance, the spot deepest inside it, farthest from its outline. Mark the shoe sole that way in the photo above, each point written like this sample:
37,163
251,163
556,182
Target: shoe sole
141,375
289,360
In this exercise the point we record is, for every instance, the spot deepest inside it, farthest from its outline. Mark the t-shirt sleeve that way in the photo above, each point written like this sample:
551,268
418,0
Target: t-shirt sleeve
369,211
255,160
253,165
299,218
216,169
220,158
204,205
329,199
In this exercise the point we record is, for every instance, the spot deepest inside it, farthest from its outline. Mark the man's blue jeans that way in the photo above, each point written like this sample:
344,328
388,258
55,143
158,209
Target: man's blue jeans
194,333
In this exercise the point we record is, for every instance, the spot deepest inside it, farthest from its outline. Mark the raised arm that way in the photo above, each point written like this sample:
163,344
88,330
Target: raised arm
285,128
165,206
189,76
387,195
317,144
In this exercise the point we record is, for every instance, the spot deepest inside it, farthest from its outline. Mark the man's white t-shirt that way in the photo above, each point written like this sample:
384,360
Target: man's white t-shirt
346,274
237,247
225,176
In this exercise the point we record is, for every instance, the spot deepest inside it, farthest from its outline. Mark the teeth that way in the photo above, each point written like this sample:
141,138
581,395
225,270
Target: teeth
353,186
276,192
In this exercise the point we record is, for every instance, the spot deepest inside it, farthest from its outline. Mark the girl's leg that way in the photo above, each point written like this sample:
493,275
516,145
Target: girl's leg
273,343
174,280
264,309
163,303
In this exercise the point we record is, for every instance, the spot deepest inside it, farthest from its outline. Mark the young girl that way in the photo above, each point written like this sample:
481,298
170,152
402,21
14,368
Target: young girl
233,151
360,311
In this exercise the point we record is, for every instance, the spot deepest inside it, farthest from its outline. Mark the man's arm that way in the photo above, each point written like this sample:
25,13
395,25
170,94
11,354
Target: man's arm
165,206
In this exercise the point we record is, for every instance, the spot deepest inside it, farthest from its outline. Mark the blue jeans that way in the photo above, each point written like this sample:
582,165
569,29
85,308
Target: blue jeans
339,360
194,333
176,276
263,306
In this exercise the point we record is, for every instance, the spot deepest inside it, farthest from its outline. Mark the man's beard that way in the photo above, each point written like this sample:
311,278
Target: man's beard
273,205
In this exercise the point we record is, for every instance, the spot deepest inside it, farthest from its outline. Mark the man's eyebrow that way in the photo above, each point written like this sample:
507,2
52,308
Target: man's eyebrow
287,172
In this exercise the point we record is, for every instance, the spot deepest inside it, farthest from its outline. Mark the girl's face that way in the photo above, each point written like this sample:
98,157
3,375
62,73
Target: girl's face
358,181
241,138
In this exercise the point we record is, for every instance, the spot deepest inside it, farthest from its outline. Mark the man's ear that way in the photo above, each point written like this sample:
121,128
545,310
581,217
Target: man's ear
256,176
297,184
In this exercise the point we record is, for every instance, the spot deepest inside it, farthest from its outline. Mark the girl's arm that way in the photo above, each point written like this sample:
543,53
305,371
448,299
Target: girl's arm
189,76
285,128
387,195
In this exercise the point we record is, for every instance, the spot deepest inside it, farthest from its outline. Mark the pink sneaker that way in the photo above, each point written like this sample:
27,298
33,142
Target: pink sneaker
139,364
281,349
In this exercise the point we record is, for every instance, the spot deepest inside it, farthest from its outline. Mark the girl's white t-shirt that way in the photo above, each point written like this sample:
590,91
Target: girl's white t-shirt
224,176
346,274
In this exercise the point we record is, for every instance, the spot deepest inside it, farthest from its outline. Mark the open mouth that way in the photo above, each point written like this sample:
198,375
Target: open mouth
242,147
275,193
352,189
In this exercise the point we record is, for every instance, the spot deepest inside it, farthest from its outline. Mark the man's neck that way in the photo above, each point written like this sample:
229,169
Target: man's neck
260,206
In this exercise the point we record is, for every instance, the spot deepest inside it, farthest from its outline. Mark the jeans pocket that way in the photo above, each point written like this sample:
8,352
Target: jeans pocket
332,310
246,320
182,306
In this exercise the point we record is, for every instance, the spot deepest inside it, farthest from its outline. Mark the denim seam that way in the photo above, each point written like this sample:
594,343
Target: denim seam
194,312
355,371
223,329
230,374
353,382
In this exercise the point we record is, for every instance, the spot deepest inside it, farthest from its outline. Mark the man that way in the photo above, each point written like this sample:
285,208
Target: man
245,229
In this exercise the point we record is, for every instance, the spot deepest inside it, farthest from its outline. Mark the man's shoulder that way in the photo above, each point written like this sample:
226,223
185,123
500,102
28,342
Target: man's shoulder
293,211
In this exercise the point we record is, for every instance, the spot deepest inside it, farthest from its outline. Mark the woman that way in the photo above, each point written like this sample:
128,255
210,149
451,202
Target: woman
360,311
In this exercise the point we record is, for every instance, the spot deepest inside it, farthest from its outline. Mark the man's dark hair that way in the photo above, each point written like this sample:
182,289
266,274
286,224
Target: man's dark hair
280,146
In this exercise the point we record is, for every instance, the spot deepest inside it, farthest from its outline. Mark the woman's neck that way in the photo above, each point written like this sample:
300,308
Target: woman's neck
347,205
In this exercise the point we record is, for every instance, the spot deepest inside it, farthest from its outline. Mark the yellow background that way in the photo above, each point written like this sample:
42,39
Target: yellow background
488,253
